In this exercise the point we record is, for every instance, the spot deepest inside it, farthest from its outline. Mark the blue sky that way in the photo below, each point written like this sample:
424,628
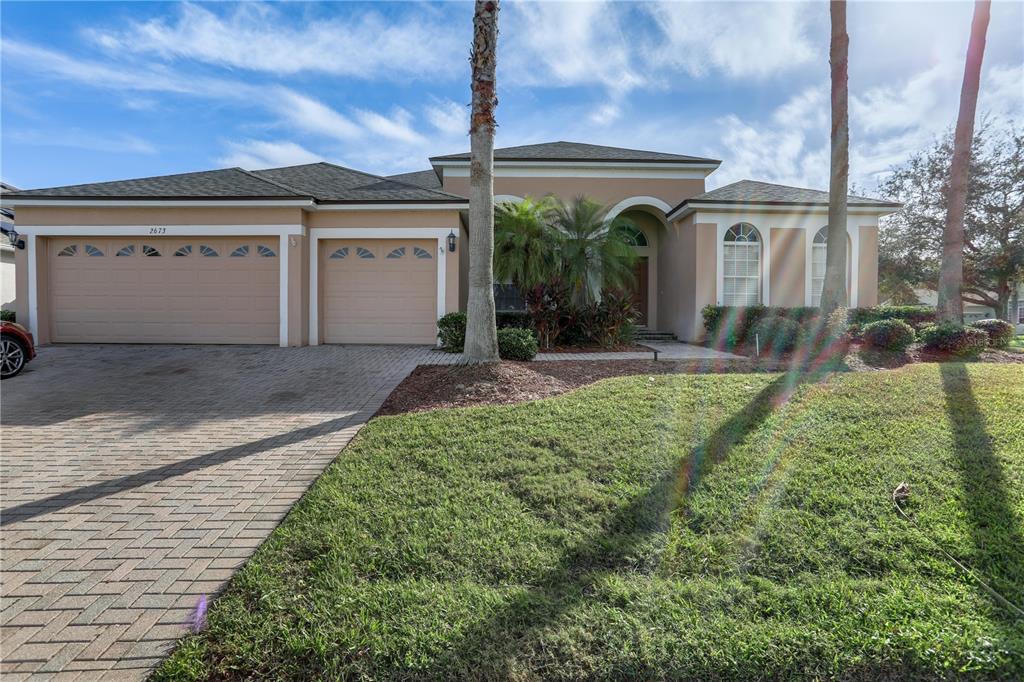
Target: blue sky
100,91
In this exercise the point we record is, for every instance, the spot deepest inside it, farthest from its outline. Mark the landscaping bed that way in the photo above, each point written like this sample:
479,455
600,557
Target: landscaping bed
733,526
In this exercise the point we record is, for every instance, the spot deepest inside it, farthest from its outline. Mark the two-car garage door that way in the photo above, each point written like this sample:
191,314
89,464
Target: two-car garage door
164,290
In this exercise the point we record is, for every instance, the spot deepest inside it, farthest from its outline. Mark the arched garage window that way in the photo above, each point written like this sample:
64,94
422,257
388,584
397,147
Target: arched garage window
819,249
741,262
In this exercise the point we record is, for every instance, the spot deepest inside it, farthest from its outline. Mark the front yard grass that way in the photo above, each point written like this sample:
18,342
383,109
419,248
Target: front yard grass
688,526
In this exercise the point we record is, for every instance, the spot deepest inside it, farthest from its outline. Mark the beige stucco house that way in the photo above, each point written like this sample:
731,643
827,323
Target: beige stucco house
323,254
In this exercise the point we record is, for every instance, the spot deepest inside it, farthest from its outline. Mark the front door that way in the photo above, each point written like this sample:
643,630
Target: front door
640,289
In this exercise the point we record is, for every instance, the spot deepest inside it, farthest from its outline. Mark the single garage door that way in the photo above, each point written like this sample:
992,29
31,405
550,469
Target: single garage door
164,290
379,290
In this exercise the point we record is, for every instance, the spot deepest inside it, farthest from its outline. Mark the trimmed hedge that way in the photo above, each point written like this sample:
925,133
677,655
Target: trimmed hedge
1000,332
953,338
516,344
729,326
7,316
891,334
776,334
451,330
914,315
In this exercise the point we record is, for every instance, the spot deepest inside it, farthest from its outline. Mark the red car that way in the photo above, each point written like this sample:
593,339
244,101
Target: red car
16,348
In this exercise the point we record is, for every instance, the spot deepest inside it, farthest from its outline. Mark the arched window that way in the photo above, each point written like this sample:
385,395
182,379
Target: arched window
126,250
741,262
184,251
241,252
632,235
265,251
819,249
69,250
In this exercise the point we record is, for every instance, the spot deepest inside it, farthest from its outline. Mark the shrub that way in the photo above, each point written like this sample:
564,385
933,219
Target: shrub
7,316
914,315
731,326
1000,332
954,338
776,334
892,334
550,311
451,330
516,344
603,322
826,337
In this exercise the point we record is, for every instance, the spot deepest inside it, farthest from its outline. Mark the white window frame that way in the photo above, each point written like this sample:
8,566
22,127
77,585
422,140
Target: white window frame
817,284
757,278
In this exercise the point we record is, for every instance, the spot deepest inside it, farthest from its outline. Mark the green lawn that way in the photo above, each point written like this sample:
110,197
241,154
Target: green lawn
715,526
1017,344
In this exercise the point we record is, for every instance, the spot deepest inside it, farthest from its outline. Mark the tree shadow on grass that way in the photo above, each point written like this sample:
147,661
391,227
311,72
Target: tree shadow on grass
631,541
995,530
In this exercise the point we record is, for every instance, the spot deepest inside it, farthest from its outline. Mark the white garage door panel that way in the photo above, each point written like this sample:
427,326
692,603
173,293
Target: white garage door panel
379,299
163,299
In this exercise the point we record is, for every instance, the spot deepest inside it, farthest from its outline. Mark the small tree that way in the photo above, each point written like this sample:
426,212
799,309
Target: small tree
833,290
481,327
526,246
951,276
594,253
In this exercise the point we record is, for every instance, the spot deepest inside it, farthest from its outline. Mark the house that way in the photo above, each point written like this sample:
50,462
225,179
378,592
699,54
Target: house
975,311
319,253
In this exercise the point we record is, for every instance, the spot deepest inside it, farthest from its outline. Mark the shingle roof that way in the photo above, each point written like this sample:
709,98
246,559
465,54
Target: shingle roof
322,181
753,192
337,184
578,151
424,178
223,183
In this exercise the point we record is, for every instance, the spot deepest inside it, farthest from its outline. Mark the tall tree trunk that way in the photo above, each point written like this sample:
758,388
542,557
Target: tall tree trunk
951,277
833,291
481,329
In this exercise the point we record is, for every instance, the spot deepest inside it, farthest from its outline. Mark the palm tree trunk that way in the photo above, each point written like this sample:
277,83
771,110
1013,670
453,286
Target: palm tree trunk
950,306
833,291
481,335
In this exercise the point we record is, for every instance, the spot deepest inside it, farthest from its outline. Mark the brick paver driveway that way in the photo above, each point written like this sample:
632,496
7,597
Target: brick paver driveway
136,479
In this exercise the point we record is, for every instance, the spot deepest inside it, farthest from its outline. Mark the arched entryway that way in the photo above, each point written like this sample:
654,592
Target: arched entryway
644,235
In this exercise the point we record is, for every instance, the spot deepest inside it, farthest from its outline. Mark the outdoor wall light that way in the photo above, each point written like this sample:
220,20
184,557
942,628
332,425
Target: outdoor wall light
451,241
14,238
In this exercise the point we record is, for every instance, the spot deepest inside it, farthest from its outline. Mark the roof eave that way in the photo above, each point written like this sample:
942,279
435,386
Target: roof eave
689,206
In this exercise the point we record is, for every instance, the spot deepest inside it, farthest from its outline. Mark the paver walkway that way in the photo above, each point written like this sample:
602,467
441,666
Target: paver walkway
135,479
671,350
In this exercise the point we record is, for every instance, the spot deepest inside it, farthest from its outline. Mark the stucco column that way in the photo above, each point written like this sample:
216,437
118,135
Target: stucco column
296,249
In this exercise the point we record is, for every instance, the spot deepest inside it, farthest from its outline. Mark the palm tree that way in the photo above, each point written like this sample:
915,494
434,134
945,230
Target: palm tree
594,253
526,246
481,329
950,306
833,290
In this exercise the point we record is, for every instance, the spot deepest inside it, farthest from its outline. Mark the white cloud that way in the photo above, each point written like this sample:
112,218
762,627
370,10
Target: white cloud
606,113
79,139
569,44
449,117
256,36
312,115
396,127
253,154
757,39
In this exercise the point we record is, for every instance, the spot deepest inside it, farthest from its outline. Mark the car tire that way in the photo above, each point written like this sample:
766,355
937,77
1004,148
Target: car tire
13,356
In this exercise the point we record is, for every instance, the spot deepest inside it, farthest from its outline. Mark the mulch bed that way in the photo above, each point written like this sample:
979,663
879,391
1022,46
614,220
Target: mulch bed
431,387
435,386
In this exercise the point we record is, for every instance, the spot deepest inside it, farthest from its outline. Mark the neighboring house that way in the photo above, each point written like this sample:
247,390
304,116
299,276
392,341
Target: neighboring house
323,254
974,311
7,283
